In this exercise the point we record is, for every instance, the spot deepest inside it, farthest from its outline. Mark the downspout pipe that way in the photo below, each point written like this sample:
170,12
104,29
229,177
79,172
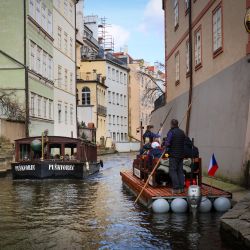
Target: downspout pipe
77,132
190,94
26,72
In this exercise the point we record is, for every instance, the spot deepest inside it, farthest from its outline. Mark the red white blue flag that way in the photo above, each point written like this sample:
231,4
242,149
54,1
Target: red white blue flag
213,166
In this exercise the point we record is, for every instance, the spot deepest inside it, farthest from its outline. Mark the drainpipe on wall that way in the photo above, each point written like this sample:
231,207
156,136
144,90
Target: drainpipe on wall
77,132
26,74
190,94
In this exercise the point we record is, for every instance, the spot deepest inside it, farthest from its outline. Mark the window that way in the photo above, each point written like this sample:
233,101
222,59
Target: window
177,68
187,56
113,74
66,43
49,22
59,36
118,120
109,96
65,7
121,136
126,136
59,76
44,23
45,107
85,96
121,99
50,67
117,98
59,107
125,121
113,95
71,47
186,5
32,8
197,48
38,60
109,73
118,136
125,79
109,119
39,100
71,82
71,12
113,119
66,79
32,55
38,11
32,104
217,30
50,109
71,114
176,14
66,114
44,64
121,120
121,78
114,137
117,75
125,101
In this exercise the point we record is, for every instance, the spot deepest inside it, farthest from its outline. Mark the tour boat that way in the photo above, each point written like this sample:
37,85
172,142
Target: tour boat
157,193
54,157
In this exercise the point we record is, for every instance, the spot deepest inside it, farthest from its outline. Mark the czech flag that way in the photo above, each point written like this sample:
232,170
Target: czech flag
213,166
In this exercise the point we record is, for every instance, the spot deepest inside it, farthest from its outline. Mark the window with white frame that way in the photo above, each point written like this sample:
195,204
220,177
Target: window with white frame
217,29
197,47
38,11
125,101
71,82
118,120
117,75
50,67
122,137
59,76
45,107
32,8
125,79
117,98
109,96
49,22
44,64
109,73
66,79
121,100
65,42
44,21
121,78
125,121
39,103
177,67
176,13
85,96
32,55
38,60
109,119
113,97
71,12
59,37
71,114
59,110
121,120
113,119
187,56
113,74
66,114
65,7
50,109
71,47
32,104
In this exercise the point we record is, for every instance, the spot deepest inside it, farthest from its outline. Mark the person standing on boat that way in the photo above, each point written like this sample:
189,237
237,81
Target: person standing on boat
174,145
149,136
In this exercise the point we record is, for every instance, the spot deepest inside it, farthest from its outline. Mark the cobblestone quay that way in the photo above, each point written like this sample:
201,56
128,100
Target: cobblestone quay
237,221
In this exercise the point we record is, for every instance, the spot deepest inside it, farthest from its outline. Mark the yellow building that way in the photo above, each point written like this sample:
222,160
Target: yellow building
91,106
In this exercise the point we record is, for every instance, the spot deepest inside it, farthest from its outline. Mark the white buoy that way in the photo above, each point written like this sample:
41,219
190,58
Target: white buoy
179,205
160,206
205,205
222,204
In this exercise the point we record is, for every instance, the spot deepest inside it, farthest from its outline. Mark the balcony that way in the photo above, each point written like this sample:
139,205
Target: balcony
101,110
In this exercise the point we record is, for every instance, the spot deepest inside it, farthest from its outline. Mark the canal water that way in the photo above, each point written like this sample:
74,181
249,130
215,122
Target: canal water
96,213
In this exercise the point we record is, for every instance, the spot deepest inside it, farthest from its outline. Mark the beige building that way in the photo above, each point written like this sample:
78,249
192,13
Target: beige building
218,80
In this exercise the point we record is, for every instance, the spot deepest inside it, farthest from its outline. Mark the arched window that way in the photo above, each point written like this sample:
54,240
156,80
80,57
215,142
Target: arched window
85,96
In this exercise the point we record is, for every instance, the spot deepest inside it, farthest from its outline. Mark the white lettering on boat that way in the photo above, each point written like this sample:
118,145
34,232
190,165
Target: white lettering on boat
25,167
61,167
137,172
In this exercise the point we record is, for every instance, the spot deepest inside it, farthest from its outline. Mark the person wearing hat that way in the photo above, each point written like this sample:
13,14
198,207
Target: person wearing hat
155,152
174,145
149,136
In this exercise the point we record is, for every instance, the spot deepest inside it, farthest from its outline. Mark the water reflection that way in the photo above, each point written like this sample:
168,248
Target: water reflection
95,214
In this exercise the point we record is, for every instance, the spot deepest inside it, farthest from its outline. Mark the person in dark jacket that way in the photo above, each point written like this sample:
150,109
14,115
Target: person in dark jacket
174,145
149,136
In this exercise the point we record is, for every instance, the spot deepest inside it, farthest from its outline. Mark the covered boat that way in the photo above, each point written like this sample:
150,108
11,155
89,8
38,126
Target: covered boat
54,157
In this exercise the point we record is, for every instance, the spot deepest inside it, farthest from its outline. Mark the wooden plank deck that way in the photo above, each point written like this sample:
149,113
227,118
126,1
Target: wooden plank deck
166,192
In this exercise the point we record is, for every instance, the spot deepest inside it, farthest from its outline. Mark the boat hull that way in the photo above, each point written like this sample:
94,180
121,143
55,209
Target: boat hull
53,170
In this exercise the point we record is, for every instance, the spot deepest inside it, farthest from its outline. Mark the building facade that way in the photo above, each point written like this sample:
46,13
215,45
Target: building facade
29,63
220,84
64,68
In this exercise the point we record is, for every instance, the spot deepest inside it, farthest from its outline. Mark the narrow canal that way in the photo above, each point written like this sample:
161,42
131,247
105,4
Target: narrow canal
96,214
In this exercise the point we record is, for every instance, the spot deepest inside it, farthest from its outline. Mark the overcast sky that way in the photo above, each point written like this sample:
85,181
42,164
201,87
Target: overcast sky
135,23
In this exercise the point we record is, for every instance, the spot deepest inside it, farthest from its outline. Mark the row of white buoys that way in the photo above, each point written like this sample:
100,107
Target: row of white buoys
180,205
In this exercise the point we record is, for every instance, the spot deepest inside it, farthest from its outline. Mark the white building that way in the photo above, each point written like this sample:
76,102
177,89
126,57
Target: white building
64,68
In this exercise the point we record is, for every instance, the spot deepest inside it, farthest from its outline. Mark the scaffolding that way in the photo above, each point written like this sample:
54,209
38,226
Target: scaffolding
105,40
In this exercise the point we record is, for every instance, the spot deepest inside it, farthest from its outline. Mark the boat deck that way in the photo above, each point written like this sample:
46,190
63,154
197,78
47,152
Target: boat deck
150,193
